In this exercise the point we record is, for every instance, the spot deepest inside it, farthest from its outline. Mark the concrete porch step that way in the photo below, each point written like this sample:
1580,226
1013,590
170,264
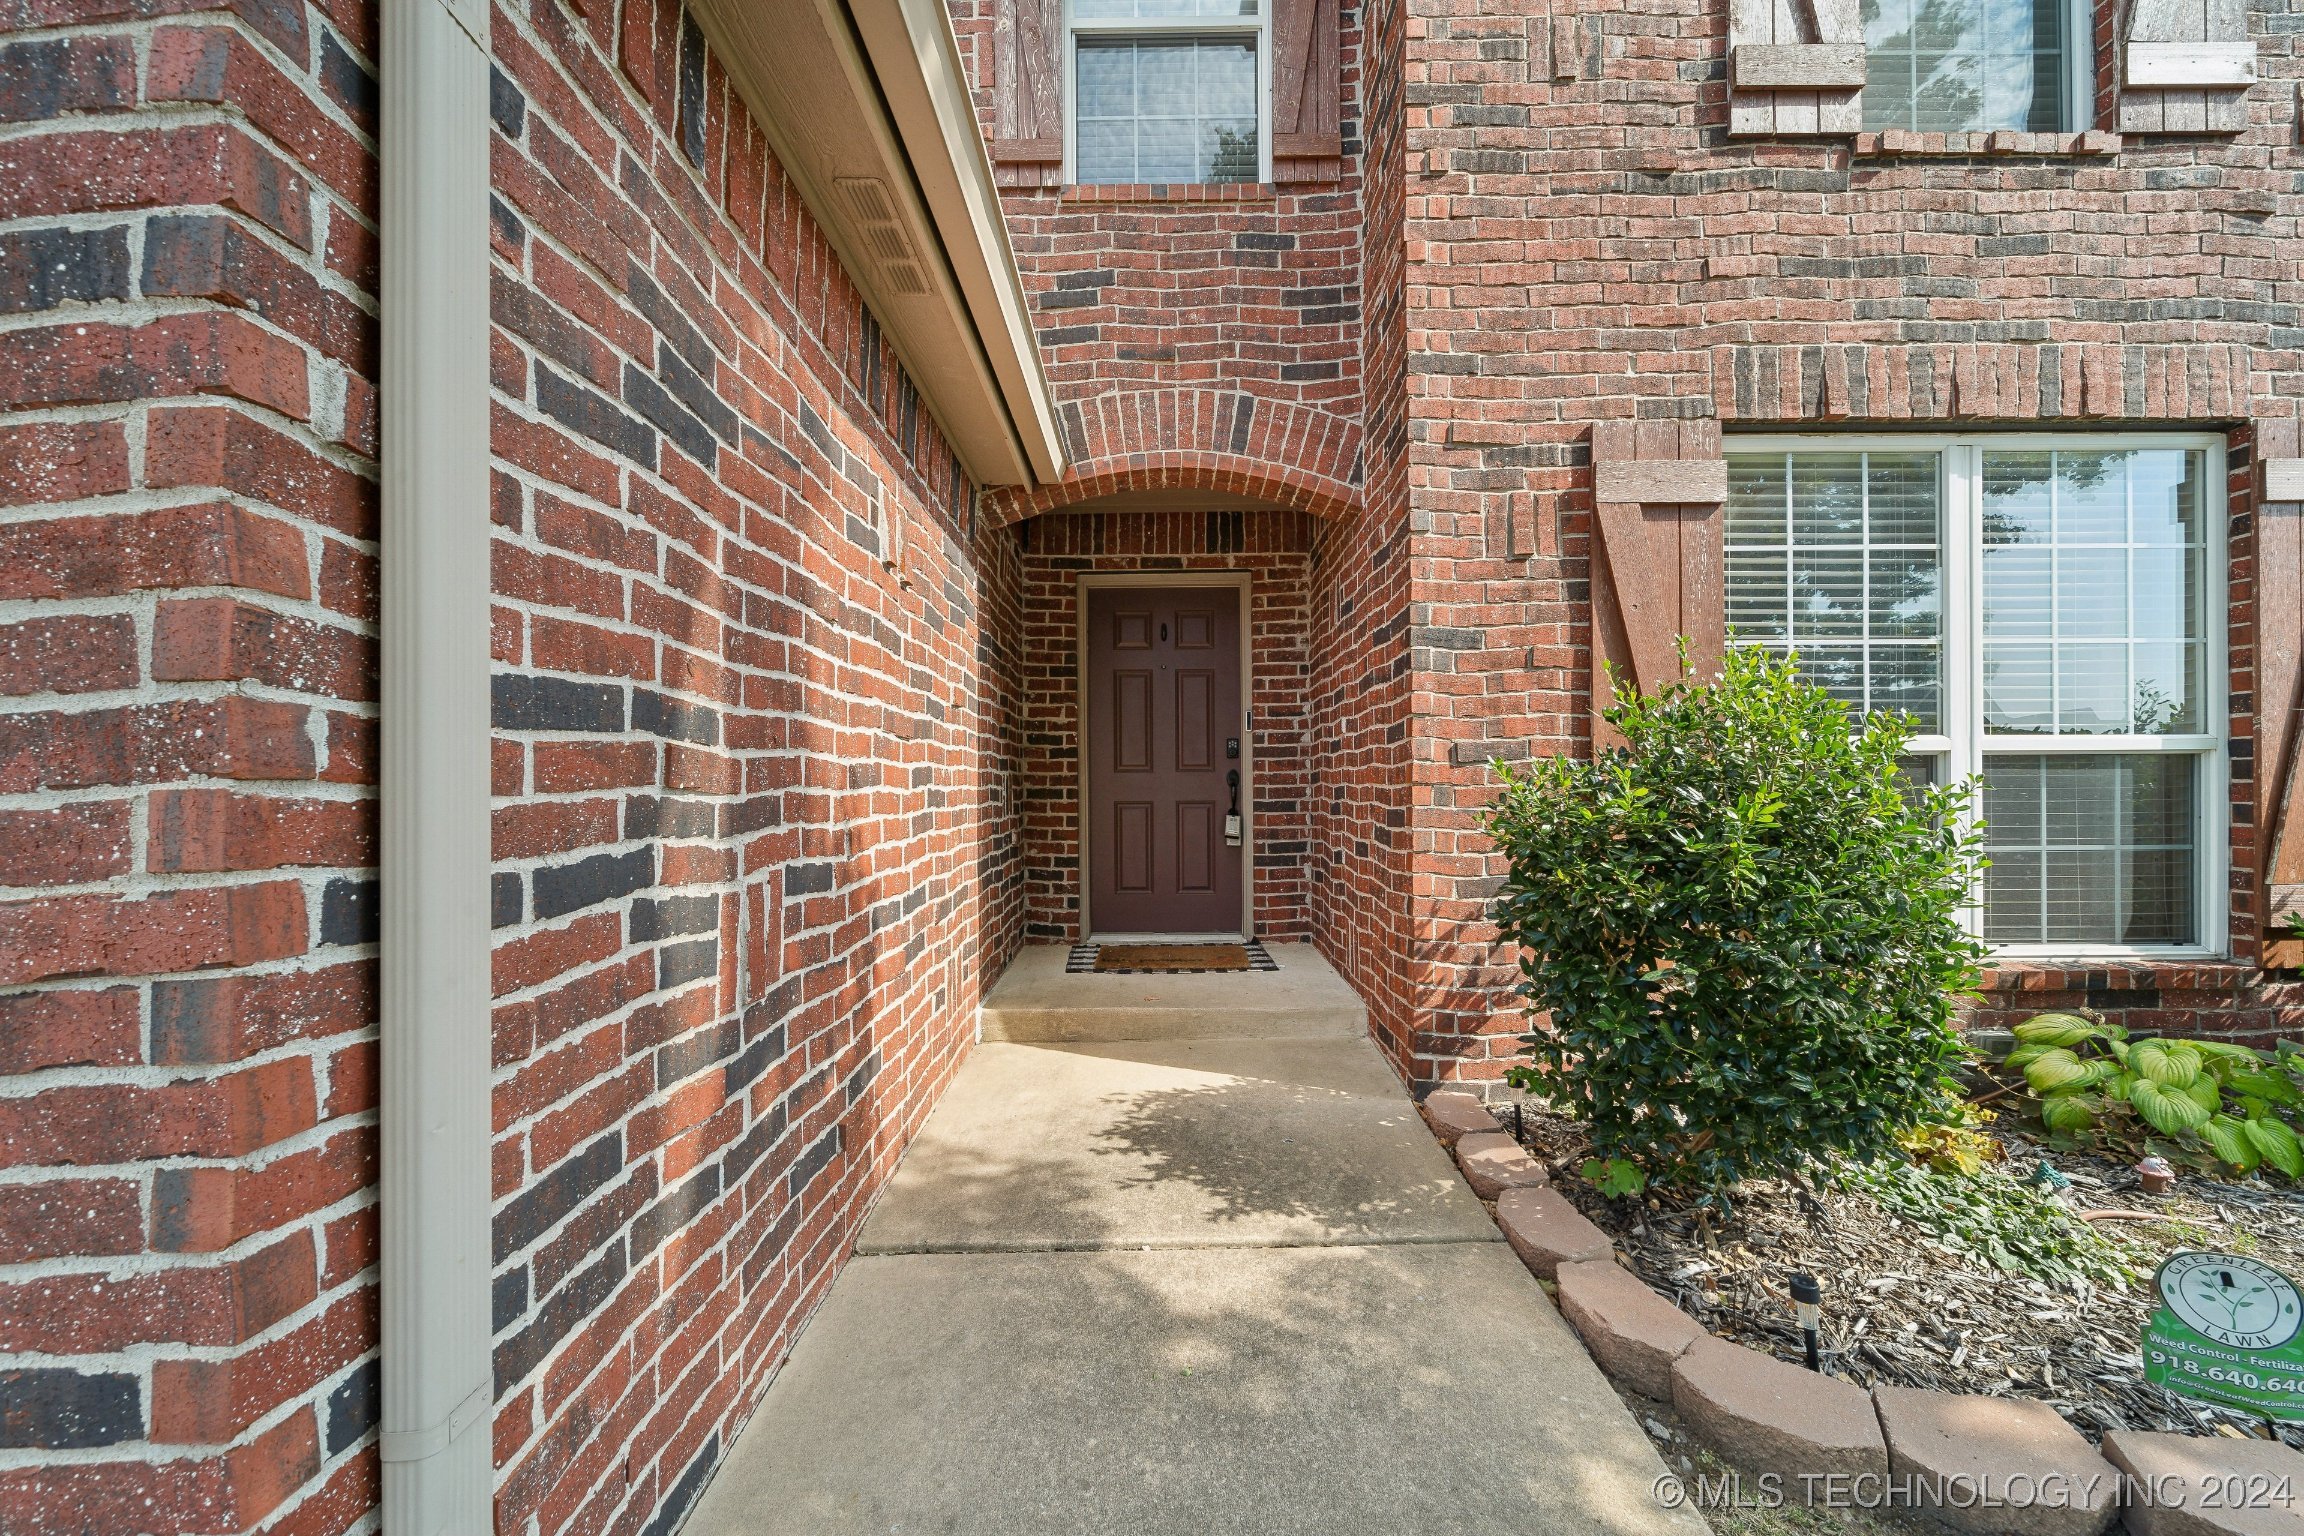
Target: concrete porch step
1036,1003
1173,1143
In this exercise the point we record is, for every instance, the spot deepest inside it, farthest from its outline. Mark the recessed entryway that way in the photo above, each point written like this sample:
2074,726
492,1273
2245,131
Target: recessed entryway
1166,764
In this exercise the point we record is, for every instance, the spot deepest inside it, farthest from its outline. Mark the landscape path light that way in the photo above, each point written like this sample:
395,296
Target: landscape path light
1808,1305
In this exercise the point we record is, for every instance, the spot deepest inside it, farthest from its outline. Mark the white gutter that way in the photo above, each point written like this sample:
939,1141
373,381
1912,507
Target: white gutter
867,109
925,85
438,1464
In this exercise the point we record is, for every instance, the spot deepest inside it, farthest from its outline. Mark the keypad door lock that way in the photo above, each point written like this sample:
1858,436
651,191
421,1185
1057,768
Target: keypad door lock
1232,748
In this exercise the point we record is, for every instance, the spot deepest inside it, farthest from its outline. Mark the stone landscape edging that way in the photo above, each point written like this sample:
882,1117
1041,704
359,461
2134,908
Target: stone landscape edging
1957,1456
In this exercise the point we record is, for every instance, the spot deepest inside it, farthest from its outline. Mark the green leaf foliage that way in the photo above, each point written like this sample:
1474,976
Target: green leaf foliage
2054,1029
1739,933
2213,1102
2279,1145
1997,1218
2232,1142
2166,1110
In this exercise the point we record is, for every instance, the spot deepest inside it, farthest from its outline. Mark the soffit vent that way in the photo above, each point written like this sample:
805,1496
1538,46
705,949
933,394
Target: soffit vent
882,230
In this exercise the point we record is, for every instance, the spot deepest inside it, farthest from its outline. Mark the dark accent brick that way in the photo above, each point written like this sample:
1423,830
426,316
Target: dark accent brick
860,1080
756,1059
696,392
596,417
752,814
750,1147
506,900
42,268
669,416
506,105
814,1161
670,324
542,1205
679,964
53,1409
565,888
675,1506
349,912
681,1205
49,77
578,1298
807,879
519,702
508,1298
692,104
348,82
675,719
662,917
691,1054
508,225
354,1406
668,816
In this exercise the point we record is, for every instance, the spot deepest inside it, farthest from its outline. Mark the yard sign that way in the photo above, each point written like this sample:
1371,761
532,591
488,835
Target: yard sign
2229,1330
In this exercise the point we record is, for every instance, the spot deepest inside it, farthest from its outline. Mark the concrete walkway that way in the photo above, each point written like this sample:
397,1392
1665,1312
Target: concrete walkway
1217,1280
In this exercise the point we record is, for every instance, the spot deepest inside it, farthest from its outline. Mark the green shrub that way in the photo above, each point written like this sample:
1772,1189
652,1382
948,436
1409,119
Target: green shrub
2212,1102
1743,927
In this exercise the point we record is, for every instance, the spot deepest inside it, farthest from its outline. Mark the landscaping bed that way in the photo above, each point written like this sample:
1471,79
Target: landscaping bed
1909,1306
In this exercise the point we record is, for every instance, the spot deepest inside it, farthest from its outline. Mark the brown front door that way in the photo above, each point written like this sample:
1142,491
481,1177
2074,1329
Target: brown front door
1164,741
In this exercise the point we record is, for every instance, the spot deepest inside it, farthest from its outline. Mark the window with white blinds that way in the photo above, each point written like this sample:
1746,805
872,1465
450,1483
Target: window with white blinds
2047,611
1166,91
1971,66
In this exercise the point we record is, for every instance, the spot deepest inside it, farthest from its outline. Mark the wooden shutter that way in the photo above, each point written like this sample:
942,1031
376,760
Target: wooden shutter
2186,67
2280,682
1795,66
1307,106
1028,150
1656,555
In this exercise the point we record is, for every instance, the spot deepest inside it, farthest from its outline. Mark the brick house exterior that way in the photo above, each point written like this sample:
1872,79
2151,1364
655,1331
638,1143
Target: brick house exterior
785,726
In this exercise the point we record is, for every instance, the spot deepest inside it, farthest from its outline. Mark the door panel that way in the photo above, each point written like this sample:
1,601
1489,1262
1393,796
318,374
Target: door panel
1132,722
1163,718
1195,721
1132,847
1197,834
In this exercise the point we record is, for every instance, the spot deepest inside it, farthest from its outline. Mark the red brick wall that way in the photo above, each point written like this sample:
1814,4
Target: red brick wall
1202,337
187,741
1275,549
1587,243
756,840
755,828
1362,843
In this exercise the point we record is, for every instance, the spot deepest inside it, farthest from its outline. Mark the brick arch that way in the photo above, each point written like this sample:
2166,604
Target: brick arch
1220,440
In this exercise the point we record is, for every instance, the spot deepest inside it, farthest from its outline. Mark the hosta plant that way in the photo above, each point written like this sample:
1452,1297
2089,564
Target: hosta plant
2206,1098
1739,935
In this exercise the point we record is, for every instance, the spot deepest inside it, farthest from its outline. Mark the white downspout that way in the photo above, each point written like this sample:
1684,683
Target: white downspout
438,1475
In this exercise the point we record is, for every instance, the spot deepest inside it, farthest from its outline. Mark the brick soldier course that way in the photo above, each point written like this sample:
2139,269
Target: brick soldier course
784,750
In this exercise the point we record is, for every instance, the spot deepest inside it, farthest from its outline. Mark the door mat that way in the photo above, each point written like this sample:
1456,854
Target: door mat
1167,959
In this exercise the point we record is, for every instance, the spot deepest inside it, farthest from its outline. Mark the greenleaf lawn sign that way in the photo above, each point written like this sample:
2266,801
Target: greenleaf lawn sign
2229,1330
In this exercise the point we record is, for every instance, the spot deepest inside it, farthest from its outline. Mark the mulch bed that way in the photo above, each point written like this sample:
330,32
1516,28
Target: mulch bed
1904,1309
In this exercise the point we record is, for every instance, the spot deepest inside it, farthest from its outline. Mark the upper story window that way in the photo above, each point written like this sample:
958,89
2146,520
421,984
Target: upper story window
1166,90
1970,66
2047,611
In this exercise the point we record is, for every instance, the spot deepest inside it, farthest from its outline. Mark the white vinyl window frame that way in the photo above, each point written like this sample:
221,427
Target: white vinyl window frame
1257,26
1962,746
